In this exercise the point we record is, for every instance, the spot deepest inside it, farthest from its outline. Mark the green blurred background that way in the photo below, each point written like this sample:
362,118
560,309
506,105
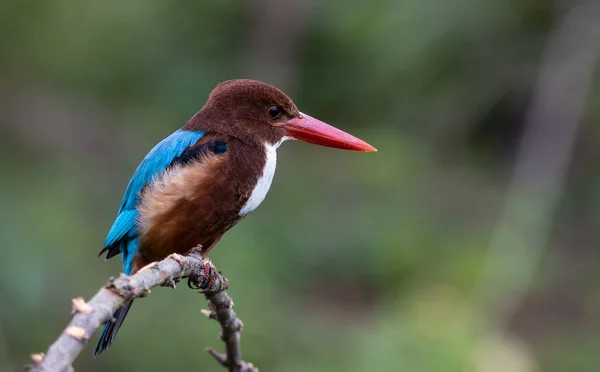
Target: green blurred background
408,259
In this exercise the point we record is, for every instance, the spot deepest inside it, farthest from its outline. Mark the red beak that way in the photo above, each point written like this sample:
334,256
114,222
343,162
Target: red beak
311,130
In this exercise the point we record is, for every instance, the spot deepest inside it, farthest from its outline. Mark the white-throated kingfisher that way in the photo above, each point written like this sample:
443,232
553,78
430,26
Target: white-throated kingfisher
203,179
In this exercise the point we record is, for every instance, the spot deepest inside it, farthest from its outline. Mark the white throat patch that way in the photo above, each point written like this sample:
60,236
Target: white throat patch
264,182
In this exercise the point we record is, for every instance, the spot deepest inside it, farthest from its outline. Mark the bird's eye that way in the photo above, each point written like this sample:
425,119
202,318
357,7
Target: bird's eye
275,112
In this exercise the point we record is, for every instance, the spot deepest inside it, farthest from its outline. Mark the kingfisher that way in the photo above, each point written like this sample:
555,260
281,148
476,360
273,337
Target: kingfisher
207,176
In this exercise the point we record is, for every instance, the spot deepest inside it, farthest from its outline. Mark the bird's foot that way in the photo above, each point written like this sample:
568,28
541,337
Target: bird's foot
207,280
176,256
196,249
170,281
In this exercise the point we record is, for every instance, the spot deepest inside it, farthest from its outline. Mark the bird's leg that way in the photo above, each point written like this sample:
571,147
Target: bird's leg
170,281
209,274
201,282
193,282
197,249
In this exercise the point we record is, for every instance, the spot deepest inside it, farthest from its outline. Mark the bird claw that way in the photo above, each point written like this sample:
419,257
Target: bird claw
177,257
192,284
171,283
203,282
197,248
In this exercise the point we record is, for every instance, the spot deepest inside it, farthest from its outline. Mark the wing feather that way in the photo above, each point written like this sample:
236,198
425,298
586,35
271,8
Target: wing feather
124,229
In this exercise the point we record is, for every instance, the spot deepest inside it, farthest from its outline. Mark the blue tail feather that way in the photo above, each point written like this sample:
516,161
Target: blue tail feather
128,249
111,328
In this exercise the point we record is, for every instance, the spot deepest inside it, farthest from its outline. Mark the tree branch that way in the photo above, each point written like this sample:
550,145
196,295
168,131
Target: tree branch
88,317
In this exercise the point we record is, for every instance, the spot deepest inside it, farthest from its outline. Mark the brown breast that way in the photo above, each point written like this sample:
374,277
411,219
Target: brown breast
197,202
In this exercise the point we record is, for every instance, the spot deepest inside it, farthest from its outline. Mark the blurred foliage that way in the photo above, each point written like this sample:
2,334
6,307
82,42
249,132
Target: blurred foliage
355,261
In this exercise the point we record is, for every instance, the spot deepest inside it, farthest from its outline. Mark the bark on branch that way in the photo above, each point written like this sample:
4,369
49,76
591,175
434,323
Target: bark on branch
87,317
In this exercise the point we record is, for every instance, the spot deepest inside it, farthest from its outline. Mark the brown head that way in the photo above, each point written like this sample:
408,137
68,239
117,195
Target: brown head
258,113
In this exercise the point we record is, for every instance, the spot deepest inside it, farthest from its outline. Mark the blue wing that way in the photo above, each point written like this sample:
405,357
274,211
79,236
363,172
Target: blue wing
122,237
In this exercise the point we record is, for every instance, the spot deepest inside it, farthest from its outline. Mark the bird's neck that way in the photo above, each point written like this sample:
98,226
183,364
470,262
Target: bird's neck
265,179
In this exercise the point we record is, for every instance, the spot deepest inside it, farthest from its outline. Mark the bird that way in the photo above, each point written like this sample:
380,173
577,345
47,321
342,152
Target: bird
204,178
